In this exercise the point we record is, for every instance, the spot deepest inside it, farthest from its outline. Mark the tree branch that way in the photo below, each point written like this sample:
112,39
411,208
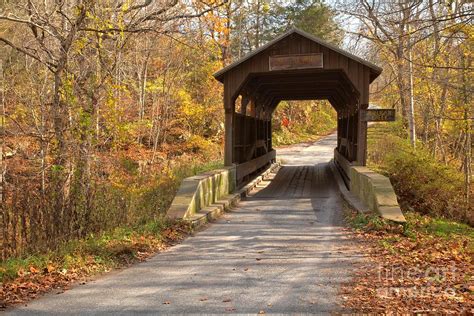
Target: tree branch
51,66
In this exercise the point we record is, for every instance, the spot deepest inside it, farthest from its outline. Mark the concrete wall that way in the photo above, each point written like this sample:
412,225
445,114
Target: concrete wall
376,191
202,190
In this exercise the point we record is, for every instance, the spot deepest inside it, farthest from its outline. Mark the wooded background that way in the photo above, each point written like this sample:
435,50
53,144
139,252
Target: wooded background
106,105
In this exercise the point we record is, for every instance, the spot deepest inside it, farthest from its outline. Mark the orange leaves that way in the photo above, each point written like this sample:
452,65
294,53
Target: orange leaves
175,232
33,269
30,284
21,272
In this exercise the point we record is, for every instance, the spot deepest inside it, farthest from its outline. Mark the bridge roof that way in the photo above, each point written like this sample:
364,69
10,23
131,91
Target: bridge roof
374,69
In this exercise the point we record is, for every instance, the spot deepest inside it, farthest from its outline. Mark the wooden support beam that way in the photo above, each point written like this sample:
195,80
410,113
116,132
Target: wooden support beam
229,107
229,138
243,106
361,159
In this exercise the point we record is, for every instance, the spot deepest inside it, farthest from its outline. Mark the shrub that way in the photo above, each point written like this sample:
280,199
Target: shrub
421,182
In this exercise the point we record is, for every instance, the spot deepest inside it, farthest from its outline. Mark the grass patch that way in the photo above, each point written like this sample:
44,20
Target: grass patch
416,224
367,221
439,227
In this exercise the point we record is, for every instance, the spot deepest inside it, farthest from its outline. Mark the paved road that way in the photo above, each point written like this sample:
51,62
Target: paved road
283,250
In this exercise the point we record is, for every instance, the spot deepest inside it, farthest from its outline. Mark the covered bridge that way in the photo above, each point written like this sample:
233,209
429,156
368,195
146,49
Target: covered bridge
293,66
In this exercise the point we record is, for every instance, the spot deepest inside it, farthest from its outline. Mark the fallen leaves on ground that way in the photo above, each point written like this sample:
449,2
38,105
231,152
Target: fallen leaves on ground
417,274
35,281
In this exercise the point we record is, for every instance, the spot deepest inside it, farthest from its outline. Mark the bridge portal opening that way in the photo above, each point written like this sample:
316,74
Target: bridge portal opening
302,121
293,66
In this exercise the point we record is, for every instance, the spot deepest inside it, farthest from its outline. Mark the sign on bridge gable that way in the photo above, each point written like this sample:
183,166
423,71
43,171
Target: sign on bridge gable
378,115
301,61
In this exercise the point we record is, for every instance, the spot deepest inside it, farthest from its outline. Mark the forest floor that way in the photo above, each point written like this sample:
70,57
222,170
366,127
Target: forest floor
425,266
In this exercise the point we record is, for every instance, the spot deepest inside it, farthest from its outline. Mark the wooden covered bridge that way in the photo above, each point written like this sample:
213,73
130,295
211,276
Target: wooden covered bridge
294,66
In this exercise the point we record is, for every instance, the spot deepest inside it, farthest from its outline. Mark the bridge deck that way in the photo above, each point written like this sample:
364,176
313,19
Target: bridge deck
282,250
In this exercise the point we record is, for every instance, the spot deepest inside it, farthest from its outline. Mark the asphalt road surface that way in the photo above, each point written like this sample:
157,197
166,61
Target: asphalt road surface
282,250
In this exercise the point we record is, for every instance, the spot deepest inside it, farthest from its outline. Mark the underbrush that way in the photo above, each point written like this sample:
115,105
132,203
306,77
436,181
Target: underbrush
286,137
422,183
96,251
120,193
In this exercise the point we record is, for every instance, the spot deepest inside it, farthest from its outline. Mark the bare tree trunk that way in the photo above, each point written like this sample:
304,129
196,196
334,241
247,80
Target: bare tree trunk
257,27
2,131
3,216
439,123
142,80
407,8
411,108
468,140
240,34
226,45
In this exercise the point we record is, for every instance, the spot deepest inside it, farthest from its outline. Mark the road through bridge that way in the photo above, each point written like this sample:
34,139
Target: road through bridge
284,249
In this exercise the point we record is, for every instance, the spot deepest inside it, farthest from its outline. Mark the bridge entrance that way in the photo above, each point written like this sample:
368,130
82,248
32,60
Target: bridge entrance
294,66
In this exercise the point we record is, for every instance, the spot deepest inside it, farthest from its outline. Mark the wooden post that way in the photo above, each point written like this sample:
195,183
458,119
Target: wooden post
245,102
361,137
252,109
361,158
229,138
229,107
339,130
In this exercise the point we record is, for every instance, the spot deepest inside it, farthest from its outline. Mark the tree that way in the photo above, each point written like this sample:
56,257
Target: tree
74,50
312,16
256,22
